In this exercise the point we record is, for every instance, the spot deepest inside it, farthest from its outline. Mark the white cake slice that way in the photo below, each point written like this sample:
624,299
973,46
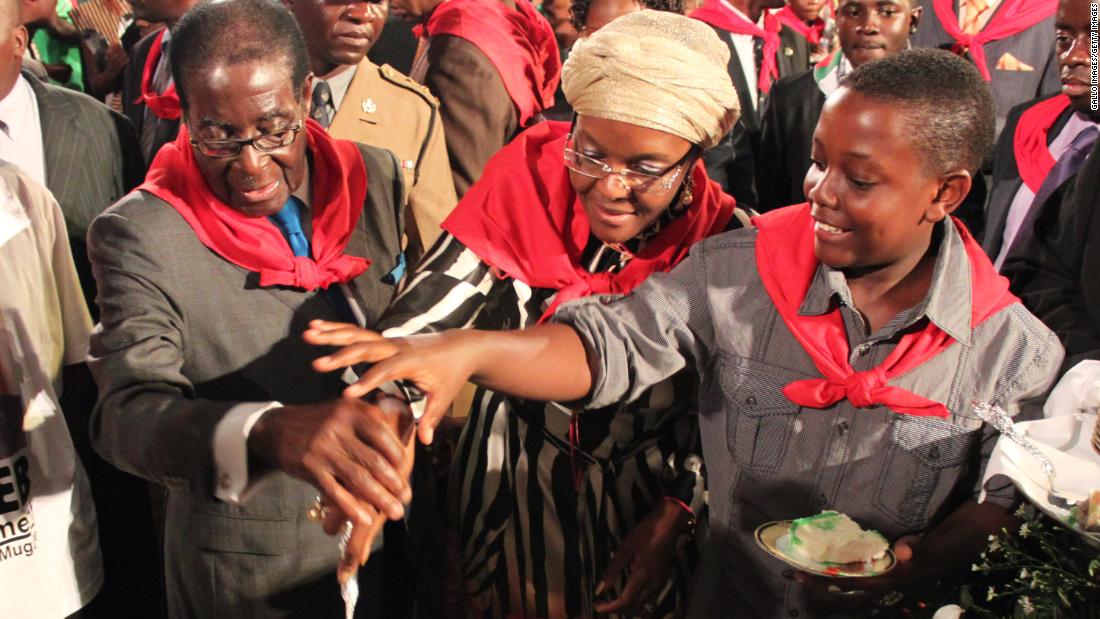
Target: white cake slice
832,537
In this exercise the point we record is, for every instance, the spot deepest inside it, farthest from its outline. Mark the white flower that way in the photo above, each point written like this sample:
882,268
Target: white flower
1024,574
974,567
990,595
1027,606
1024,530
1021,511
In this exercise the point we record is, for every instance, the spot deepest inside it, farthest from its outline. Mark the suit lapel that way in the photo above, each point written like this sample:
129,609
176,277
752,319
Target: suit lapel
740,83
59,125
1004,193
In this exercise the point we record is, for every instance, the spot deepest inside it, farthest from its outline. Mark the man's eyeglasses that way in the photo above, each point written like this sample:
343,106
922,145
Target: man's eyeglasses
634,180
220,149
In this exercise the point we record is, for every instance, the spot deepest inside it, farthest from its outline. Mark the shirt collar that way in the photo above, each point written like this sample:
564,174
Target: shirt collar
14,107
338,84
738,12
947,304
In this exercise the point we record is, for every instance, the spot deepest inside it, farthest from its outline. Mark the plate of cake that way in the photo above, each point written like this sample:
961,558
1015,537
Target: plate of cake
828,544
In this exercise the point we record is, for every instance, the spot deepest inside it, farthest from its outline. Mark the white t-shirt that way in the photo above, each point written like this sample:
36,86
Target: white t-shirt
50,564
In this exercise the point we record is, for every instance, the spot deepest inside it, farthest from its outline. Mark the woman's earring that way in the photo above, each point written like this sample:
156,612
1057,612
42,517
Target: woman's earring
686,196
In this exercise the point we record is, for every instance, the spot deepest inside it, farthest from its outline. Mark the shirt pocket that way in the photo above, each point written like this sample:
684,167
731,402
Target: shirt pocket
761,421
925,460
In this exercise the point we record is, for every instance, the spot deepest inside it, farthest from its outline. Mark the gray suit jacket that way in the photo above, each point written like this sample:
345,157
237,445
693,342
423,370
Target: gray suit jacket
1034,47
185,335
92,159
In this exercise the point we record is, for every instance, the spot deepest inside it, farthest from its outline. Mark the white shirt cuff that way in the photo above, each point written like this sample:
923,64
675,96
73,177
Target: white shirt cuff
231,452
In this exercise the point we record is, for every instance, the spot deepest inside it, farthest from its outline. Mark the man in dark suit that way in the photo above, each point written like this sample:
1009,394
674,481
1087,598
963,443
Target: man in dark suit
1044,143
1015,39
761,51
868,30
1054,272
251,224
148,96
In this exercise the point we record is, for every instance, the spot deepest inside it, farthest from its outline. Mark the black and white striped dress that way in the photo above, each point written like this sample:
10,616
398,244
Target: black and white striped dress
538,515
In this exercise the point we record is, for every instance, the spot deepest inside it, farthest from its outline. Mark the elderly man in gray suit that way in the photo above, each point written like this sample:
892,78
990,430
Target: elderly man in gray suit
252,223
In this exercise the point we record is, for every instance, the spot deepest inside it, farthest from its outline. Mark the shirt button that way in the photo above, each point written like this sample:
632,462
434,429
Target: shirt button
842,428
792,613
750,401
863,349
934,453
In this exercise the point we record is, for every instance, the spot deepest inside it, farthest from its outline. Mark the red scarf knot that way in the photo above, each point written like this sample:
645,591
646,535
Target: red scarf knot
786,262
523,219
1011,18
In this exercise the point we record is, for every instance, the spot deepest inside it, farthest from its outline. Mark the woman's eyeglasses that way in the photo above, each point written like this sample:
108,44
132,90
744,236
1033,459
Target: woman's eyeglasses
633,180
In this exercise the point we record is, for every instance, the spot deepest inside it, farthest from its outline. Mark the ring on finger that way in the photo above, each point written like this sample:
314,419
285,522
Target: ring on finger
317,511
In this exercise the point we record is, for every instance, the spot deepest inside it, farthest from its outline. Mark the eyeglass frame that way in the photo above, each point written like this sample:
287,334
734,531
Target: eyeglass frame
625,174
294,130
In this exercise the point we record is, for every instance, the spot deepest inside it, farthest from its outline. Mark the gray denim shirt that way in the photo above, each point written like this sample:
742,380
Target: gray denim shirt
769,459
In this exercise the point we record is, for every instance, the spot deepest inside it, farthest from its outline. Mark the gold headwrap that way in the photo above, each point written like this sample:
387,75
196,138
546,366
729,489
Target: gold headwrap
658,70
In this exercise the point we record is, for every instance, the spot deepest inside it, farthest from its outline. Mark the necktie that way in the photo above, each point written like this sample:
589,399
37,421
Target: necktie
322,103
1067,166
289,222
974,11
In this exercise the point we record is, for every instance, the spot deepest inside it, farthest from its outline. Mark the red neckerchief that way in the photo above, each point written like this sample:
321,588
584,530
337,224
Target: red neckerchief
718,14
1012,17
518,42
165,106
790,19
1030,143
787,264
524,219
254,243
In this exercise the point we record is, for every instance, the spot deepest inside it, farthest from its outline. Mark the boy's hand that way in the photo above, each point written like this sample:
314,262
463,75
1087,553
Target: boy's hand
855,593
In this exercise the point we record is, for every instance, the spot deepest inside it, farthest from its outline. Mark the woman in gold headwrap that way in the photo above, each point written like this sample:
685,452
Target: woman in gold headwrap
563,515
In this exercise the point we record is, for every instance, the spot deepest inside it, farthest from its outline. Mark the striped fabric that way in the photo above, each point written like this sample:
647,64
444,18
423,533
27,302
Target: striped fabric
103,16
537,524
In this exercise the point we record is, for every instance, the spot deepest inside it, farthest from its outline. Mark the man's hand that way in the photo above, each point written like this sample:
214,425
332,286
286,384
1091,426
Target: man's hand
345,448
117,59
648,551
398,417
